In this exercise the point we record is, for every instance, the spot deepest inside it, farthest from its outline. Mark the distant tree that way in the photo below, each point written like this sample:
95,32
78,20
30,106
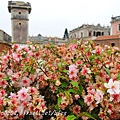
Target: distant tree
66,36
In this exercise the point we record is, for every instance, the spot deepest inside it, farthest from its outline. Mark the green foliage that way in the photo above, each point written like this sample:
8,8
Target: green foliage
71,117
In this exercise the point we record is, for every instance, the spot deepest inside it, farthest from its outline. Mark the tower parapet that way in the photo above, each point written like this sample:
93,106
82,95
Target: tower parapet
19,5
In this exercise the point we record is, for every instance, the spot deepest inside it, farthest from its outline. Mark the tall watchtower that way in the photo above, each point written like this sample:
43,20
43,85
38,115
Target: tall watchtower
19,19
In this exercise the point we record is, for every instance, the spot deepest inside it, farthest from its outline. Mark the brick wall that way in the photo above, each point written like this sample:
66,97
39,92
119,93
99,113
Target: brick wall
108,42
4,46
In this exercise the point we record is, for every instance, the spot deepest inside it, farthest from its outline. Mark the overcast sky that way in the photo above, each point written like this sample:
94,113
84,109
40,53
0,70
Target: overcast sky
51,17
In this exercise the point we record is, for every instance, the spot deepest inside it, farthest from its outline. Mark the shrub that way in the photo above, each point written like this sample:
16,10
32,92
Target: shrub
79,81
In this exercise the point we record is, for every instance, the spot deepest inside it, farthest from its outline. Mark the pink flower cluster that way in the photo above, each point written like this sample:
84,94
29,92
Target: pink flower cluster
73,72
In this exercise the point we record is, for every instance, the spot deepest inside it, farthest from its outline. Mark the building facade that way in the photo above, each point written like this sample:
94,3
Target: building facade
87,31
19,20
4,37
111,40
114,38
5,41
115,25
46,40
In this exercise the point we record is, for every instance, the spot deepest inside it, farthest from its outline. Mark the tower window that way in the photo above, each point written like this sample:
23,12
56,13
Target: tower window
20,24
19,12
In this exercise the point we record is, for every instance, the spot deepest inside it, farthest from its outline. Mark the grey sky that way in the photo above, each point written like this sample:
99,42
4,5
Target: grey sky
51,17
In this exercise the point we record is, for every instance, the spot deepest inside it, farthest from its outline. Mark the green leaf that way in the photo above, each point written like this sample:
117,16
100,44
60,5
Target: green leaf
75,84
87,115
64,85
71,117
109,52
67,94
86,50
108,71
80,89
81,101
118,77
51,44
60,66
56,107
92,57
72,91
95,116
65,71
32,71
26,68
59,100
7,78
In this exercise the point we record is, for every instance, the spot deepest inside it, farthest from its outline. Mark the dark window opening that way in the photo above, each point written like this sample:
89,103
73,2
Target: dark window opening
98,34
94,34
98,44
81,34
102,33
19,12
90,33
112,44
19,23
119,27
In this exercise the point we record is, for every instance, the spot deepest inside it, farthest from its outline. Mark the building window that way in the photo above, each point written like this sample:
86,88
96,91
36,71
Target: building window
90,33
81,34
98,34
102,33
119,27
19,24
112,44
94,34
97,44
19,12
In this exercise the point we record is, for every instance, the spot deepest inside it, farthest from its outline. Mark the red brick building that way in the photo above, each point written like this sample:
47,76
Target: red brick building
114,38
4,46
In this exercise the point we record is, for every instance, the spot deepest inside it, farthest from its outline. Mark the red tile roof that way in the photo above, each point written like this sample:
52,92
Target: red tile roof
107,37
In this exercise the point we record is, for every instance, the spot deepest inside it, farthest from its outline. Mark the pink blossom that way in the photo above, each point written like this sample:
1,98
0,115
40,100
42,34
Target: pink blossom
23,95
15,46
73,46
85,70
2,93
26,81
73,71
113,86
77,97
12,95
91,90
115,97
3,83
30,53
98,96
16,57
9,72
79,62
88,99
98,50
32,90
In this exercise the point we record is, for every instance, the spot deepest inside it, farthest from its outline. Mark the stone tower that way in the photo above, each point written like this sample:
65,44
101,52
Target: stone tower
19,20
